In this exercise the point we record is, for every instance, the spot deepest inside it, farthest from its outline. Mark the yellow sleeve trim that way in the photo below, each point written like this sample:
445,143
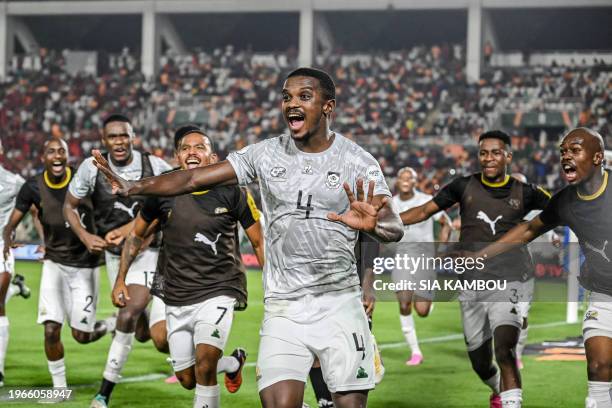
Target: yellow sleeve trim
546,192
253,207
200,192
62,183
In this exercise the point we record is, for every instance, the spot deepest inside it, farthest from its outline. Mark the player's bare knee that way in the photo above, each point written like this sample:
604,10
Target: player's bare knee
187,379
599,369
422,308
281,401
160,342
206,371
159,335
81,336
405,307
52,332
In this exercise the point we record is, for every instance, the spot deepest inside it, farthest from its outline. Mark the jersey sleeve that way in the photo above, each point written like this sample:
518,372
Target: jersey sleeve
26,197
151,209
536,198
244,162
451,193
551,215
245,210
159,166
82,184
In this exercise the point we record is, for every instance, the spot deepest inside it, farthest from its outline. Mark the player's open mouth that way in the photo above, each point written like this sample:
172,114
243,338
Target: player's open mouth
570,172
120,152
192,162
57,168
490,170
295,120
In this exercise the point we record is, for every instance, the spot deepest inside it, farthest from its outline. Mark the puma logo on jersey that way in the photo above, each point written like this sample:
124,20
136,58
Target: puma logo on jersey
601,251
122,207
484,217
81,217
199,237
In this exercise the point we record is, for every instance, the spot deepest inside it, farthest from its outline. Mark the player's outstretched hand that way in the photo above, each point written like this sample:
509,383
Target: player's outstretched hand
120,294
119,185
362,214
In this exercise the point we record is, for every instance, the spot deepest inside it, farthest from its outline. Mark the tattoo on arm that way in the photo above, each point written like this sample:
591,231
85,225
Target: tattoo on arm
131,248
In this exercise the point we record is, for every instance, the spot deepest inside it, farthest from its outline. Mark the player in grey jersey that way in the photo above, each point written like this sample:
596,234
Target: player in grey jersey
10,184
311,289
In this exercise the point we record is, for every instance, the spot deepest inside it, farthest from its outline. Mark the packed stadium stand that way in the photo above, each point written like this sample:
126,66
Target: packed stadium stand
410,107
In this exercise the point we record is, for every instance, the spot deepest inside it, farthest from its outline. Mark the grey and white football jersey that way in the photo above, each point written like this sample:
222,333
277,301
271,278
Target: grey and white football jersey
305,252
10,184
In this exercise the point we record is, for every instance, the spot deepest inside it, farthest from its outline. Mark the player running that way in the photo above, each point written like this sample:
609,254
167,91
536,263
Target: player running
418,240
491,203
583,206
312,298
69,282
200,275
10,184
113,218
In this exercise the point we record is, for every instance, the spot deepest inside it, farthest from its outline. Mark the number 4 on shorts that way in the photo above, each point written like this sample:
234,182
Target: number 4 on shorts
359,347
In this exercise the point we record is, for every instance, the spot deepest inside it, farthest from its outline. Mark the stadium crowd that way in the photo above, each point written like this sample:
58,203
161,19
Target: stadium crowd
393,102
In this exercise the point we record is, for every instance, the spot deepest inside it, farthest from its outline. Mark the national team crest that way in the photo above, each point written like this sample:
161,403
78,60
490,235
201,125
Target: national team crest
514,203
333,179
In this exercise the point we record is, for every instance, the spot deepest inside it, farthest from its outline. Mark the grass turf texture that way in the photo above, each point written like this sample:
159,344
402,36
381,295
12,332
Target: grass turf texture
444,380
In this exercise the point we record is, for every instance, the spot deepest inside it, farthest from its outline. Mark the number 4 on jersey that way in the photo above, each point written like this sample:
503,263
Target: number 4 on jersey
307,207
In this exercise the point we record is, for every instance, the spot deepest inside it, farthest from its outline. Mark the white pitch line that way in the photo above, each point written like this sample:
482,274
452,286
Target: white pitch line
459,336
448,337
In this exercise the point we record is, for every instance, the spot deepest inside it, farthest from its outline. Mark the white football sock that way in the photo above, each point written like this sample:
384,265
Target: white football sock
11,291
228,364
599,395
493,382
409,331
4,339
512,398
57,369
117,355
521,342
207,396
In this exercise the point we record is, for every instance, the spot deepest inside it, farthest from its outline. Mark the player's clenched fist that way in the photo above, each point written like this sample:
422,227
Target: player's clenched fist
120,294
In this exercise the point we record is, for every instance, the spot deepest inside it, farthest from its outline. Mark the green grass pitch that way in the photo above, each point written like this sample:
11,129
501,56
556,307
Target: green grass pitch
444,380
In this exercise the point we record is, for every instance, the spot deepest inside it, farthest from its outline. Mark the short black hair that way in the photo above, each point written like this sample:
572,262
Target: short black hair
187,129
325,81
496,134
116,117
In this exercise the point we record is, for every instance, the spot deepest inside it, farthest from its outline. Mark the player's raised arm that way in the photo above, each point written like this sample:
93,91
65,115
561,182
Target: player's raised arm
521,234
374,215
169,184
420,213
